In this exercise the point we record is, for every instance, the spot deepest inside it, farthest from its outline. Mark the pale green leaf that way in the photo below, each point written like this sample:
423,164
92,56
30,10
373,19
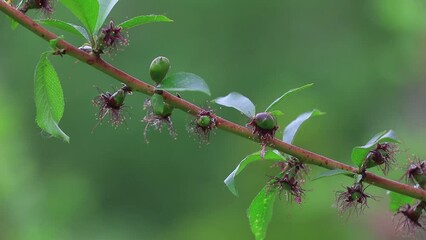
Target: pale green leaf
269,155
49,98
239,102
105,7
292,128
68,27
140,20
331,173
288,93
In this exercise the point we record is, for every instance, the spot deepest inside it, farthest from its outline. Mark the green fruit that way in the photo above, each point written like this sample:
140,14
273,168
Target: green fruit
167,110
159,68
203,121
265,121
159,107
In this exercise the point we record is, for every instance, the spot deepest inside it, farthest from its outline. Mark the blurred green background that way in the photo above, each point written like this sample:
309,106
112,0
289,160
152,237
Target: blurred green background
365,57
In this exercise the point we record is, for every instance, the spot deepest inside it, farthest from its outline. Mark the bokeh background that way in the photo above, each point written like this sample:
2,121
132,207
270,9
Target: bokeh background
365,57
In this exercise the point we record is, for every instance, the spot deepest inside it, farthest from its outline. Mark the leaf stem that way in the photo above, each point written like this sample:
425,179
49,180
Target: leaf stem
140,86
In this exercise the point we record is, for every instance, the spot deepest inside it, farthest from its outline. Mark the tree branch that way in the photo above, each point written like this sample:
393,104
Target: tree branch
140,86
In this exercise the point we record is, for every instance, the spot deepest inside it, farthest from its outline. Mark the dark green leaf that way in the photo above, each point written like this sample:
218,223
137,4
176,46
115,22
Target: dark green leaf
278,100
49,98
260,212
239,102
269,155
180,82
105,7
360,153
136,21
86,11
68,27
291,129
331,173
398,200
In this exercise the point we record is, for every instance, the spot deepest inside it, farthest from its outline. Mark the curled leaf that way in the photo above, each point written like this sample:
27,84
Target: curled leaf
288,93
292,128
269,155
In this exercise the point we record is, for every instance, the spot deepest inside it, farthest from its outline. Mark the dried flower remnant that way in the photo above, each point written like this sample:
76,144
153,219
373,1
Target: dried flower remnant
113,104
353,199
111,37
288,184
44,5
294,165
410,218
383,155
158,115
416,173
202,125
265,126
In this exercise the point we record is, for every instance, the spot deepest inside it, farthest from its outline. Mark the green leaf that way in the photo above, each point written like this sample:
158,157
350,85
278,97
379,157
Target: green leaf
360,153
54,42
136,21
49,98
331,173
269,155
398,200
239,102
260,212
278,100
68,27
292,128
276,113
13,24
105,7
180,82
86,11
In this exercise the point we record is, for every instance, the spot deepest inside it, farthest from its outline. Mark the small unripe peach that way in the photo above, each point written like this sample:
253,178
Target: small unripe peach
159,68
204,121
265,121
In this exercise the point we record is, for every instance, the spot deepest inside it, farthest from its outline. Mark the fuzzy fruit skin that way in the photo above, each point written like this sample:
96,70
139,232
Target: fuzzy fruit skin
204,121
159,68
265,121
